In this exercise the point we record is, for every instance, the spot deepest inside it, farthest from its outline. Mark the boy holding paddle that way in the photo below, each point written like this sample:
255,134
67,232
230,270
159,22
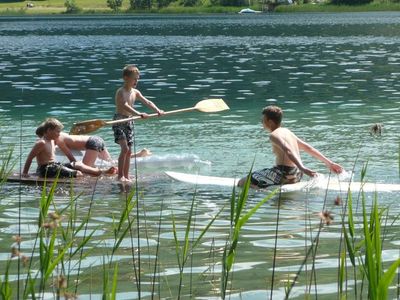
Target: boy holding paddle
286,146
125,98
44,152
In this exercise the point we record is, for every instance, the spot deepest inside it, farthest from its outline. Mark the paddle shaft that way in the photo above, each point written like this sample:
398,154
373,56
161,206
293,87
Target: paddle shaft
150,115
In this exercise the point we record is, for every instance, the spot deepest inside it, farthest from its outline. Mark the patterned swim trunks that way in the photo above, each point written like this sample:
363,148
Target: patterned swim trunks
274,176
123,131
54,169
95,143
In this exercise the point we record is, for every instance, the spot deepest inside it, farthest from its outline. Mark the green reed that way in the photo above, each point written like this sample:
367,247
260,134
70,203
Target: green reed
364,248
184,251
57,242
237,220
6,165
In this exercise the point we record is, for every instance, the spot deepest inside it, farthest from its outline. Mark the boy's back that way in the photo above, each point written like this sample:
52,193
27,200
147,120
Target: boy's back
286,137
77,142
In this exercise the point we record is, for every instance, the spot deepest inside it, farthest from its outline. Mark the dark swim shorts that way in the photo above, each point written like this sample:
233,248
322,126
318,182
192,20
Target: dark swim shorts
95,143
54,169
123,131
274,176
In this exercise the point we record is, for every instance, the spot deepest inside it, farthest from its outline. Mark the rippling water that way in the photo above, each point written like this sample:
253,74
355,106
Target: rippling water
335,75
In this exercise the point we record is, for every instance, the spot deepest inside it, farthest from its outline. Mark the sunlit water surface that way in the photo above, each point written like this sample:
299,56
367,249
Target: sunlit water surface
335,75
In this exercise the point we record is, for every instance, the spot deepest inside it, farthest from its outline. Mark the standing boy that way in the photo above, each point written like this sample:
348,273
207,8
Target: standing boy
44,151
286,146
125,98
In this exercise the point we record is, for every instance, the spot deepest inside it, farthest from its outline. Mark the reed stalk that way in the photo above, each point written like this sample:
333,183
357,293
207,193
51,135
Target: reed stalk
184,251
237,220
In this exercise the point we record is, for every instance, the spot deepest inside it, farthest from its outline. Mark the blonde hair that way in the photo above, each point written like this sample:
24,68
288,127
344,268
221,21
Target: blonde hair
49,123
130,70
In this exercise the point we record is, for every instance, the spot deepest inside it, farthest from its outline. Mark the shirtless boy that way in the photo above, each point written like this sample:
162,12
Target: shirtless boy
125,98
44,151
286,146
93,146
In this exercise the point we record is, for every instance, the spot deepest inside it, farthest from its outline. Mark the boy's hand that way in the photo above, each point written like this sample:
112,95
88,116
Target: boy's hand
336,168
144,115
160,112
309,172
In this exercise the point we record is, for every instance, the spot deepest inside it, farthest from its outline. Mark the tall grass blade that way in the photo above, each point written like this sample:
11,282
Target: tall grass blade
350,218
369,255
114,284
5,287
342,273
239,220
387,279
350,248
56,261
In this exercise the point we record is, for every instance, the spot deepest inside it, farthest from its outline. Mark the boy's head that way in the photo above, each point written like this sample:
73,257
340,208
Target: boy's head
272,113
131,74
50,125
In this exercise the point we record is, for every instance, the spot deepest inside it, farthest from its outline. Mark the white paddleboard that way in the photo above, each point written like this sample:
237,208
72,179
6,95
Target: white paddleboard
319,182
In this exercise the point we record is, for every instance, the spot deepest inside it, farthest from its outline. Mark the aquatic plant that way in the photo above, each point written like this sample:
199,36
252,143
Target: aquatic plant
237,220
60,246
6,165
184,251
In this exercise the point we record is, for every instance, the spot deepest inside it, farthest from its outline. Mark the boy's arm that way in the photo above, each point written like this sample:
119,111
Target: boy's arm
121,102
148,103
66,151
283,145
37,148
334,167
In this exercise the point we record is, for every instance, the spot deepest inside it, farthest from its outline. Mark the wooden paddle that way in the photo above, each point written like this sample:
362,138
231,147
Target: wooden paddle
208,105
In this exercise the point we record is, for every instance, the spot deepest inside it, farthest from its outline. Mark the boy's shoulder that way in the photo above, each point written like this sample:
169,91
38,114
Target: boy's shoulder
40,143
282,131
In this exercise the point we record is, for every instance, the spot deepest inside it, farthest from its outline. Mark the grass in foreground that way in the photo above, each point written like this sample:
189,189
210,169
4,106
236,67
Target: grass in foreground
55,263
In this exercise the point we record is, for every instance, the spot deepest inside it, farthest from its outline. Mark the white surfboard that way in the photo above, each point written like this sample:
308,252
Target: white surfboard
319,182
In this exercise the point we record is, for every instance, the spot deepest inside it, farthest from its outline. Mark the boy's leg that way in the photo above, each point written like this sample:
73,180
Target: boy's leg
90,157
123,163
85,169
105,155
92,170
127,162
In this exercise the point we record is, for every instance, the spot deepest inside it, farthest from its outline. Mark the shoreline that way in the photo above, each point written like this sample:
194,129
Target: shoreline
43,8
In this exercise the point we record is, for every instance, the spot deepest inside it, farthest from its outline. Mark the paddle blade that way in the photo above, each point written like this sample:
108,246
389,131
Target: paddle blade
86,126
211,105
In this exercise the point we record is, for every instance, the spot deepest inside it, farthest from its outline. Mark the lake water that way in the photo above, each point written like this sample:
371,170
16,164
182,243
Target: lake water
335,75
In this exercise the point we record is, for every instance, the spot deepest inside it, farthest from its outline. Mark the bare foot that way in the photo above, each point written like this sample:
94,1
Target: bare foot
142,153
124,180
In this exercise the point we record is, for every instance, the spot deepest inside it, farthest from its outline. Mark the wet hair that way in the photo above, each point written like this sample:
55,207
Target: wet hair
130,70
273,113
49,123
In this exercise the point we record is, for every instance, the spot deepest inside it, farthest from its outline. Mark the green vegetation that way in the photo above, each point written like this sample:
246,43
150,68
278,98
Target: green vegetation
39,7
60,246
326,7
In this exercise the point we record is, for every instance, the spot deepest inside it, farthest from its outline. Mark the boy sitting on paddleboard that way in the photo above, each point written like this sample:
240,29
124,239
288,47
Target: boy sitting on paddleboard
125,98
286,147
44,151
